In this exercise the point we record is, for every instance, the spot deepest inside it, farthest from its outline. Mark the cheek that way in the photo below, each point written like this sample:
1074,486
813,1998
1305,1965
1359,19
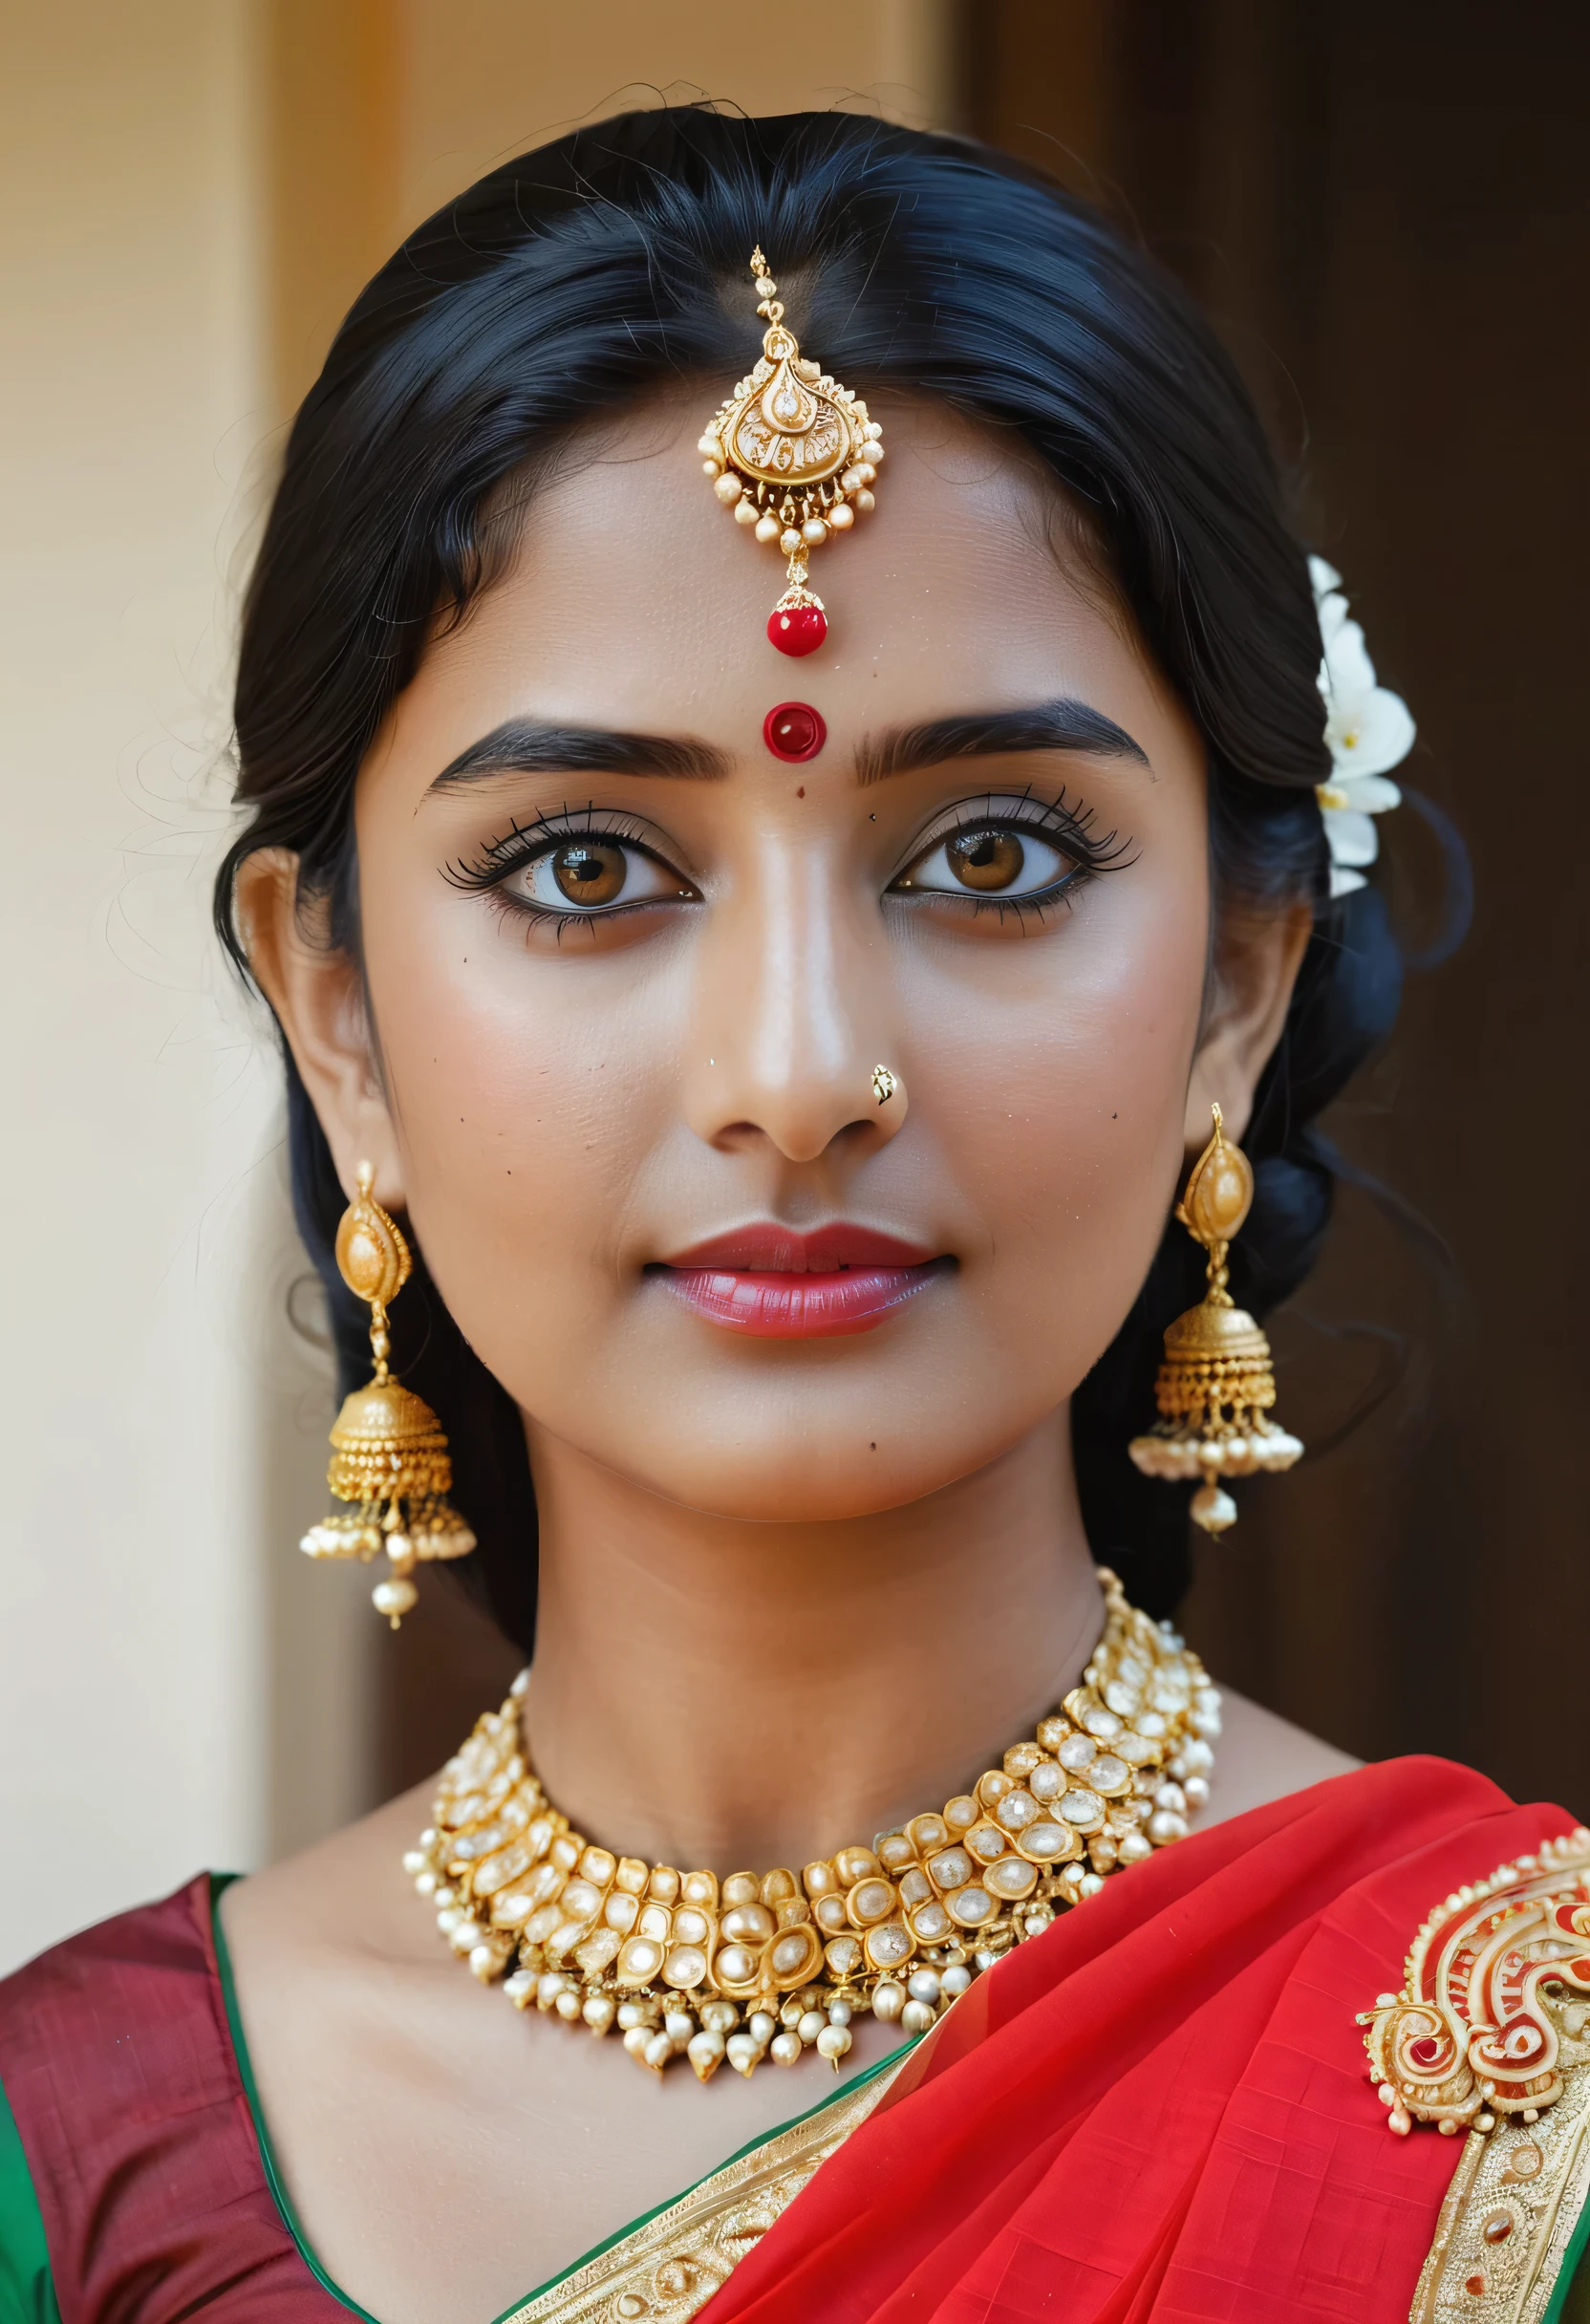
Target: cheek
528,1098
1058,1098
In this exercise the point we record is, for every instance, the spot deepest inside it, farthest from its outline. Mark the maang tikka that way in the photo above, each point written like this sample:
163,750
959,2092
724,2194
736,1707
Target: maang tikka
1216,1387
795,456
389,1453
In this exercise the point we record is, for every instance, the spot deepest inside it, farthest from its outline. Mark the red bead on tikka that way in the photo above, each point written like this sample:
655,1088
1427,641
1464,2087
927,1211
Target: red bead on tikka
797,629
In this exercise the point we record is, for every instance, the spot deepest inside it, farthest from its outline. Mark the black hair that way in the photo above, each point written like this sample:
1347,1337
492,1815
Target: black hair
579,277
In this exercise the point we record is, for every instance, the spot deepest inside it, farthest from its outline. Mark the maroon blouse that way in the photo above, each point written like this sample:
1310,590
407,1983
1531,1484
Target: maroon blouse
117,2060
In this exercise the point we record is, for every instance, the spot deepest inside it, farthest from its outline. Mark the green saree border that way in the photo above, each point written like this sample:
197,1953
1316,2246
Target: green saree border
1570,2300
220,1882
27,2286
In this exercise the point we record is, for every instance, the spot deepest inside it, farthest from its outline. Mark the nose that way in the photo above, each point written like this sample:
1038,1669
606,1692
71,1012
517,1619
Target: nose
794,1013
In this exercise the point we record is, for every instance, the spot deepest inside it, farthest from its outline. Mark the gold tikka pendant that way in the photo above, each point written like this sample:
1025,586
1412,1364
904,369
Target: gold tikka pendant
1217,1386
389,1452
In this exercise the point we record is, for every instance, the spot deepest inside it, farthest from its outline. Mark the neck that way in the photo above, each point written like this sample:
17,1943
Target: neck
713,1692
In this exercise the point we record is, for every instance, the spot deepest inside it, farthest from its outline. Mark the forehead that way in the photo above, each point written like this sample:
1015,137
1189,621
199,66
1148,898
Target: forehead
631,598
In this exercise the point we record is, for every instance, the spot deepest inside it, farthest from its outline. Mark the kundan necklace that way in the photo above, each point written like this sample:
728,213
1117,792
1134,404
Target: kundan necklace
774,1963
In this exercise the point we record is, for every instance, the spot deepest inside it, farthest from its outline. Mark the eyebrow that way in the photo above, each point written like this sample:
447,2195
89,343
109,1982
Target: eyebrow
531,747
1063,724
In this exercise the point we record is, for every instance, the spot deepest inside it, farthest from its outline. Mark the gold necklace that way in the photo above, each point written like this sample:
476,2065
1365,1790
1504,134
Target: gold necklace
774,1963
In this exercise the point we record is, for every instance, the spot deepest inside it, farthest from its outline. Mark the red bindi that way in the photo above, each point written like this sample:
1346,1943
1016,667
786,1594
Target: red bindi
794,730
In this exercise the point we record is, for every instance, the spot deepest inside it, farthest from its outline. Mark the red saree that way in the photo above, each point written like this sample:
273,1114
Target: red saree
1158,2109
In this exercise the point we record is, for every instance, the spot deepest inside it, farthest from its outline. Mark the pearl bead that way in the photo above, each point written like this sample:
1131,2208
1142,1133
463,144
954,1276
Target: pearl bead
742,2052
414,1861
658,2052
786,2049
925,1984
1196,1791
711,468
762,2027
720,2016
395,1598
769,529
635,2038
841,518
865,503
889,1999
678,2025
789,541
425,1883
710,445
866,473
484,1962
839,2012
705,2052
630,2013
727,489
833,2043
917,2016
955,1980
745,512
1165,1826
1133,1848
814,533
567,2004
599,2012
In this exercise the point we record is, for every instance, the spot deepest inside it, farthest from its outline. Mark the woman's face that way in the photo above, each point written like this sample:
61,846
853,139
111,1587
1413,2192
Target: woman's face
630,971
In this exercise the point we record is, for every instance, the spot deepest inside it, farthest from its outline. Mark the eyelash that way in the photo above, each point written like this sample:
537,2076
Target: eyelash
1070,826
525,844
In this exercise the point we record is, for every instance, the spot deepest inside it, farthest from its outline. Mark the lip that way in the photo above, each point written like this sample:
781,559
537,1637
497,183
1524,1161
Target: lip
776,1283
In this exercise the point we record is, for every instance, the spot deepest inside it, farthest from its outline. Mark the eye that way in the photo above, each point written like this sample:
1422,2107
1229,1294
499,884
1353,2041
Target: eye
593,875
996,860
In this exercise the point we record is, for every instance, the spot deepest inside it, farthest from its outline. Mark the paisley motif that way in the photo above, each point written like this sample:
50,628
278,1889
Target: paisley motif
788,434
1490,2017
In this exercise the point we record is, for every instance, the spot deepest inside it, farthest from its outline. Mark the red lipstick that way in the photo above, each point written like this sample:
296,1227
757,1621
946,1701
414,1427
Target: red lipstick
775,1283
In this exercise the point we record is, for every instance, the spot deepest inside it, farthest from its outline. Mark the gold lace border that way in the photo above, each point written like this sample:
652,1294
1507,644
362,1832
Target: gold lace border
1508,2216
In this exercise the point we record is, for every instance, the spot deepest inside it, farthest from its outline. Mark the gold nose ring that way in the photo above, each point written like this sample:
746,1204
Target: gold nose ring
884,1084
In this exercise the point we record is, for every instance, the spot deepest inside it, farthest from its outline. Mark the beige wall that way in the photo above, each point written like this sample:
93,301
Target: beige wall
190,192
150,1383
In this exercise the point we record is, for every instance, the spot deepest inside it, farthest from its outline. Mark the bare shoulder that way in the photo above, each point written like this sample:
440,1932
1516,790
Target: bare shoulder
1263,1757
347,1894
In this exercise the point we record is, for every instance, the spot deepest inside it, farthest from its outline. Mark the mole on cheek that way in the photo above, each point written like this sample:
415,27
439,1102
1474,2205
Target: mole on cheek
794,731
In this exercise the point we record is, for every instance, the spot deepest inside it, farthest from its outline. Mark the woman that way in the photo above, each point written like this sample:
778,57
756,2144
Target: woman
785,1102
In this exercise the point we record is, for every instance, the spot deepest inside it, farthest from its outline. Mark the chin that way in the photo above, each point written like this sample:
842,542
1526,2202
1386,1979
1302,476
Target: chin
798,1473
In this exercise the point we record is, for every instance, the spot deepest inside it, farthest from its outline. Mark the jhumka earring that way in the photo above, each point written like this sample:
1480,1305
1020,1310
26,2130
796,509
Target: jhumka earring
389,1455
1215,1386
793,453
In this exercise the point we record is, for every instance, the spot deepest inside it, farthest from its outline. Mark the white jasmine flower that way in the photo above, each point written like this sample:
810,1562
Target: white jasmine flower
1368,730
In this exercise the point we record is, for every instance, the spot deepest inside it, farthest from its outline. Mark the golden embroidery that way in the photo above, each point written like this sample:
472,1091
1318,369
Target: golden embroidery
668,2270
1491,2030
1508,2217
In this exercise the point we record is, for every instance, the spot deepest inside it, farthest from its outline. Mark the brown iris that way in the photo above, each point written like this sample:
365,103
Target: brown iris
986,860
590,871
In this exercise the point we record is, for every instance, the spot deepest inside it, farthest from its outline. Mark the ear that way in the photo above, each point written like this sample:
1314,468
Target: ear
318,997
1256,959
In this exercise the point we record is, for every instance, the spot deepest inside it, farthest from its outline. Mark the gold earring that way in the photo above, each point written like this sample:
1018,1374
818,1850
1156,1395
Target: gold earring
389,1455
1215,1386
